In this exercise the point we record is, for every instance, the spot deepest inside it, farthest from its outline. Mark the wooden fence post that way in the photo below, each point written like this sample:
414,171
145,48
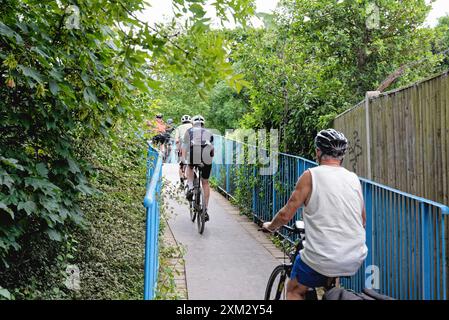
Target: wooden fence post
369,94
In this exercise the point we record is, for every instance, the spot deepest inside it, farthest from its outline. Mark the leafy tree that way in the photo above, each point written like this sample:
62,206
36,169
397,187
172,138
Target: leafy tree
442,41
178,96
70,70
316,58
227,107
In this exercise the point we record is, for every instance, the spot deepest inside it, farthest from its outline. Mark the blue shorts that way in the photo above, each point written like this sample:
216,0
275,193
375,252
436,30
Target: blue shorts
305,275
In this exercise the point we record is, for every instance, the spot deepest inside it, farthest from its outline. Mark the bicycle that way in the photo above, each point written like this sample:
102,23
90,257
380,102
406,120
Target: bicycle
284,270
167,148
197,207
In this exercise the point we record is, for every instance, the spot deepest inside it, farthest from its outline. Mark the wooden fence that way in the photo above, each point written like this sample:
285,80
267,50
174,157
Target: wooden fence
407,144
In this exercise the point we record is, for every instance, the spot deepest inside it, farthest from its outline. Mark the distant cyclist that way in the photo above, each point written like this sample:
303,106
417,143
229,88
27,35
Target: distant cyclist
170,126
159,127
334,217
168,138
186,124
198,149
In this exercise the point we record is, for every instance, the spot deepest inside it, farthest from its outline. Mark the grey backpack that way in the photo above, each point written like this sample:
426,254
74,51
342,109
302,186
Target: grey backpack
344,294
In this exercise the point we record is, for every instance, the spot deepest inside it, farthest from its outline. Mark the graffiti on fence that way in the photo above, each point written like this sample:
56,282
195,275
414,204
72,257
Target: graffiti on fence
355,150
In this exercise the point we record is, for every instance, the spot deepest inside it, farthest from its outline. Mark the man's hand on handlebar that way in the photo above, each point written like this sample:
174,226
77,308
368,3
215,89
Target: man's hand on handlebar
266,227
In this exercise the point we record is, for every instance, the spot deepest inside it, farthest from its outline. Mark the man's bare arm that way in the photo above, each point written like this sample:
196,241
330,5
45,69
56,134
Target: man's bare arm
364,216
297,199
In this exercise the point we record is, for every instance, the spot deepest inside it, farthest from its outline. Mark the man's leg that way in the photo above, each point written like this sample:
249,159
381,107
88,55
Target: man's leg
295,290
189,174
205,175
206,190
162,139
181,172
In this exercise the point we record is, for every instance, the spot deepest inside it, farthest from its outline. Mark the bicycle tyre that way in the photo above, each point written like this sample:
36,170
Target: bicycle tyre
281,272
192,211
200,211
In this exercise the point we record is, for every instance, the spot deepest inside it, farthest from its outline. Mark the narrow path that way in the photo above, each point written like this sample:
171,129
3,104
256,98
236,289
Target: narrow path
231,260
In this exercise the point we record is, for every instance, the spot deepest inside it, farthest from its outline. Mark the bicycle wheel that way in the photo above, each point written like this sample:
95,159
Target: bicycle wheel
200,211
192,211
277,284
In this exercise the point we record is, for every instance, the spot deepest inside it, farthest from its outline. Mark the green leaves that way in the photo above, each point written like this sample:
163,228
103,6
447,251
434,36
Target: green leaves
5,294
41,184
42,170
31,73
54,87
197,10
73,167
8,32
5,208
67,87
54,235
89,95
29,207
12,163
6,180
301,71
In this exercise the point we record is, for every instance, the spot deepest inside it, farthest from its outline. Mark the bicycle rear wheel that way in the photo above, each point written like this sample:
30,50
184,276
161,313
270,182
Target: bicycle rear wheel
200,211
192,211
277,283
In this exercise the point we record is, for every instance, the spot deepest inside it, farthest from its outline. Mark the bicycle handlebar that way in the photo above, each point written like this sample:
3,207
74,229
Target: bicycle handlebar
297,229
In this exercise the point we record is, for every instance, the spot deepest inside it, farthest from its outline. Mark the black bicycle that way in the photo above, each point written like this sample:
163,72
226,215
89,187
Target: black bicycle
197,205
167,147
276,287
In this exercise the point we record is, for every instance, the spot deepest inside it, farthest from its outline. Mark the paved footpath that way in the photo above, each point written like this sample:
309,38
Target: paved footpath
231,260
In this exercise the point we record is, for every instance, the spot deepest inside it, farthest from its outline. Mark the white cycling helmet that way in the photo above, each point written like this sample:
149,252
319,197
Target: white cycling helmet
198,119
186,119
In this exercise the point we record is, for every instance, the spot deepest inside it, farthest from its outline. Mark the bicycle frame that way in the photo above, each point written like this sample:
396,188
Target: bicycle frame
198,203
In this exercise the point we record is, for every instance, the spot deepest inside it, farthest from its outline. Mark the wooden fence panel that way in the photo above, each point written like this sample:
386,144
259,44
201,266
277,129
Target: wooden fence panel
409,130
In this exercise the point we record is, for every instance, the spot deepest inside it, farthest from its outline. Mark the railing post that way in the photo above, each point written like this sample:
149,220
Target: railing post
153,257
426,254
274,194
228,153
254,188
147,274
152,225
369,227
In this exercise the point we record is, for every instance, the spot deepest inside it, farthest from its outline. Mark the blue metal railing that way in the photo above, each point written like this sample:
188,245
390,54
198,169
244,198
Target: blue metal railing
406,235
151,204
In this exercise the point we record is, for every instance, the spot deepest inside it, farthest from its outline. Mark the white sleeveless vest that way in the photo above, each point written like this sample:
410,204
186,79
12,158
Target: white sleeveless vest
335,237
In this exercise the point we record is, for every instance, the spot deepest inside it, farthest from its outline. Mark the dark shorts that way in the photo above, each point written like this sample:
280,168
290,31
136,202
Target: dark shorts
160,139
201,155
205,171
305,275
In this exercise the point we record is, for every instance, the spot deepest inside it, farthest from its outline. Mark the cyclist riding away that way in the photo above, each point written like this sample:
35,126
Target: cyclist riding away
186,124
159,127
197,146
168,138
170,128
334,217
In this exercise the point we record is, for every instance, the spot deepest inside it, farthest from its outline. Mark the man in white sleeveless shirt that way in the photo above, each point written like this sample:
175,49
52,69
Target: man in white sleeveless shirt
334,218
